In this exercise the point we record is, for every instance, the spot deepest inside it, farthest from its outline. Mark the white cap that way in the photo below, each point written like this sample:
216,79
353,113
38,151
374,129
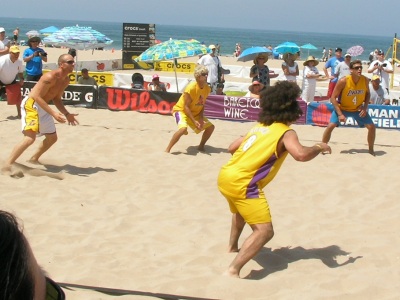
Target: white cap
2,29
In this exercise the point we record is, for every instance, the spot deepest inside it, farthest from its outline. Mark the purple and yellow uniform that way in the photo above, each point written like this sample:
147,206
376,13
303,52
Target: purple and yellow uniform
353,94
198,96
350,100
254,164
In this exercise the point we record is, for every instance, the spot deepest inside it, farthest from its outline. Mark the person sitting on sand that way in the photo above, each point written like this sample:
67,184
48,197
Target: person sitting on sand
189,110
256,159
20,275
37,115
156,85
137,81
255,89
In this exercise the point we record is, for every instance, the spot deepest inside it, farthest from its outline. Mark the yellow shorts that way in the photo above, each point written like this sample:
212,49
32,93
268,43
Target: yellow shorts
183,121
253,211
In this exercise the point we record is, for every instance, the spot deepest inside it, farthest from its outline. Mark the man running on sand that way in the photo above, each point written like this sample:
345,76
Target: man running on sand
37,115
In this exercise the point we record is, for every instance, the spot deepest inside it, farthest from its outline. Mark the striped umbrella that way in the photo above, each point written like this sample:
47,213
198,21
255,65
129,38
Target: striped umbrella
172,50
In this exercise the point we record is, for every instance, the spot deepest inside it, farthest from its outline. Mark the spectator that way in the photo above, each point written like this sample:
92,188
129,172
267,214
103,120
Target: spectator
85,78
34,57
290,67
213,64
324,56
331,64
259,71
16,35
220,89
343,68
383,68
137,81
10,67
156,85
310,75
20,275
255,89
379,95
4,42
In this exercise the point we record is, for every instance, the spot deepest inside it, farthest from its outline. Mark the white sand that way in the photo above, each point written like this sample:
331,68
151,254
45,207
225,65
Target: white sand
128,216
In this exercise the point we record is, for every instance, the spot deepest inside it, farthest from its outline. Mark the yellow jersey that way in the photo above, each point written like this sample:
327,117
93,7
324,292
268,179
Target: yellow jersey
254,164
353,94
198,96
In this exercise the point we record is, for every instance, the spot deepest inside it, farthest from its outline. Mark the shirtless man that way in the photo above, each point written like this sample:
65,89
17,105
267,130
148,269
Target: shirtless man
37,115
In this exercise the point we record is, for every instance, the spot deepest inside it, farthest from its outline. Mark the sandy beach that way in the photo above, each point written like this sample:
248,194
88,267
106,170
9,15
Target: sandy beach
108,210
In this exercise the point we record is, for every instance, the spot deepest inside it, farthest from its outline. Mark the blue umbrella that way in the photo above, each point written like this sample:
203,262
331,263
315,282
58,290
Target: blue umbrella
252,52
287,47
49,30
309,47
77,37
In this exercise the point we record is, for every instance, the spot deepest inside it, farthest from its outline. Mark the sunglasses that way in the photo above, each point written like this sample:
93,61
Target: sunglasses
357,68
70,62
256,85
204,74
53,290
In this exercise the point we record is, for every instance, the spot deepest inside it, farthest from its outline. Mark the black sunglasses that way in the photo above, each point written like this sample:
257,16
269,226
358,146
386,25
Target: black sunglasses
53,290
70,62
357,68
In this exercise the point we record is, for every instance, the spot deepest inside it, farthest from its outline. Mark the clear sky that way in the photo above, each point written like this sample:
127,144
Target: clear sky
351,16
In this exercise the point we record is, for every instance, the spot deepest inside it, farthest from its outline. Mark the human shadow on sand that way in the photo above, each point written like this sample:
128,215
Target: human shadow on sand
124,292
76,170
277,260
192,150
356,151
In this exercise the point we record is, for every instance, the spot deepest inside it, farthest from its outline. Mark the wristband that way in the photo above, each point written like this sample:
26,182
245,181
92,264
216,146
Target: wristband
319,146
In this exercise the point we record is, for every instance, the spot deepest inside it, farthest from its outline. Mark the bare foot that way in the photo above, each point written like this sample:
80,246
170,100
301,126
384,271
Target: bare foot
201,149
233,249
372,152
14,174
33,161
231,274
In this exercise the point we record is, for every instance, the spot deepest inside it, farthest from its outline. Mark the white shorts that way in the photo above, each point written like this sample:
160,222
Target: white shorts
35,118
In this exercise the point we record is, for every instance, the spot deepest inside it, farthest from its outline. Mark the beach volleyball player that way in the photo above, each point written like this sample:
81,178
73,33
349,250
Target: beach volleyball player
256,159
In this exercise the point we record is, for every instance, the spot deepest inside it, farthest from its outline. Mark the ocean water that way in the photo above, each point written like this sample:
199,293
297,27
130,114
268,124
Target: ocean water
226,37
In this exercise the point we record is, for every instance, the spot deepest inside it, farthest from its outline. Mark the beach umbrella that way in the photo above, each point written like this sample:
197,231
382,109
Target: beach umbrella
355,50
308,47
252,52
173,50
49,30
78,38
32,33
287,47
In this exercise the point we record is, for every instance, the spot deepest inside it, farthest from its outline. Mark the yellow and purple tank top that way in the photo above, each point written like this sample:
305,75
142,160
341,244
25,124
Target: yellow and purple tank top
353,94
254,164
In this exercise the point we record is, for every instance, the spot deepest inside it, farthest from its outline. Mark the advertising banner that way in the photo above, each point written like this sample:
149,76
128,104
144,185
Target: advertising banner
78,95
136,38
383,116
